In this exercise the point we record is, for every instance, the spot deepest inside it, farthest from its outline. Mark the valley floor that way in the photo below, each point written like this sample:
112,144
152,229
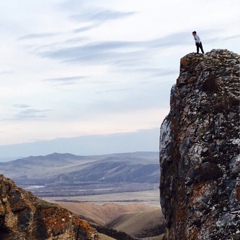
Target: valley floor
150,198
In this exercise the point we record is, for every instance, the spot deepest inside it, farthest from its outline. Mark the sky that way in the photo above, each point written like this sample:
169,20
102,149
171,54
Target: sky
94,77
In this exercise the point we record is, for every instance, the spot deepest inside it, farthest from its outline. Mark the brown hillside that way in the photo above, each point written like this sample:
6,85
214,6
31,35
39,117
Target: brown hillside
137,220
102,214
140,224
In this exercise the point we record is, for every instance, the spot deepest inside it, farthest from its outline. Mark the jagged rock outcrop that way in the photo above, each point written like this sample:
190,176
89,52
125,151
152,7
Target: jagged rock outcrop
199,150
25,217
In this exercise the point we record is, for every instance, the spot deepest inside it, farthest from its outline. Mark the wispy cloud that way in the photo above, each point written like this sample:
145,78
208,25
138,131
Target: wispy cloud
120,53
26,112
232,37
155,72
101,15
30,114
66,80
72,5
21,106
114,52
98,52
85,28
76,40
113,90
37,35
6,72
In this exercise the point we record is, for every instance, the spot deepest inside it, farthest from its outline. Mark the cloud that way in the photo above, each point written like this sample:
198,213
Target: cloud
30,113
27,113
98,52
156,72
121,53
101,15
237,36
112,91
66,80
175,39
75,40
72,5
63,81
3,72
38,35
86,28
21,106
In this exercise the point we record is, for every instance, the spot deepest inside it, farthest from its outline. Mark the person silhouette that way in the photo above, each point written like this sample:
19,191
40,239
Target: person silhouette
197,42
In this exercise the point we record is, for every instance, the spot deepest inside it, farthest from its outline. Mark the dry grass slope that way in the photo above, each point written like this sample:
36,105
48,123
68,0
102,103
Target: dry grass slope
139,224
102,214
137,220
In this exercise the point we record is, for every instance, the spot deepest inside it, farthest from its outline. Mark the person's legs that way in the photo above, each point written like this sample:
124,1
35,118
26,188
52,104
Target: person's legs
197,45
201,47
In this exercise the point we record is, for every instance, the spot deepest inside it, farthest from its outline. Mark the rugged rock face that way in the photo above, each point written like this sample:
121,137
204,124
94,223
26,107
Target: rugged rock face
25,217
199,150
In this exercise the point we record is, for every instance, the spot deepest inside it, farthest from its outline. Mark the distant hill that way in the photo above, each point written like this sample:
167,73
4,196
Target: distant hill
68,174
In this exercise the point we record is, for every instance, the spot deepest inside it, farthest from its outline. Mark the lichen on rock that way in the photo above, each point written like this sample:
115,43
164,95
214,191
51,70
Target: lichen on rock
199,150
26,217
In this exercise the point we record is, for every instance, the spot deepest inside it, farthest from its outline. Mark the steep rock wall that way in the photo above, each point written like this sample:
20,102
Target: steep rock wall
199,150
25,217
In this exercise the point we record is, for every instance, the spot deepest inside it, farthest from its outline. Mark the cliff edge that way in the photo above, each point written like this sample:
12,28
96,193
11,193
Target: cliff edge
24,216
199,150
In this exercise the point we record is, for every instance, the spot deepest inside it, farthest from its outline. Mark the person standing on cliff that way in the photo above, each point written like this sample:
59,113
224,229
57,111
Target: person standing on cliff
197,42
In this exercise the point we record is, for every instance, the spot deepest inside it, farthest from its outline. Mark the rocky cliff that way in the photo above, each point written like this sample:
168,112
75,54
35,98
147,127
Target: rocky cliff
25,217
199,150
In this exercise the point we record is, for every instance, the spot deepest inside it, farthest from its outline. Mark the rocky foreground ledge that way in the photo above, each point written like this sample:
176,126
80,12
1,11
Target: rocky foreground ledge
25,217
199,150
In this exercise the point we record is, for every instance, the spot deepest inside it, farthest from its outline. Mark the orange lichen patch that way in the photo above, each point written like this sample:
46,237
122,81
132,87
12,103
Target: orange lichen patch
29,199
238,192
2,209
185,62
58,220
181,213
198,73
198,190
193,233
197,167
192,79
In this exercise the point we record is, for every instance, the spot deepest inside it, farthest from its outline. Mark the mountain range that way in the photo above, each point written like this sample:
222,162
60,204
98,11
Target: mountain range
67,174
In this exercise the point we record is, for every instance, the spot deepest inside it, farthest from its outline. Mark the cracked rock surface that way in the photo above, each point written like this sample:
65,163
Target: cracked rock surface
199,150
